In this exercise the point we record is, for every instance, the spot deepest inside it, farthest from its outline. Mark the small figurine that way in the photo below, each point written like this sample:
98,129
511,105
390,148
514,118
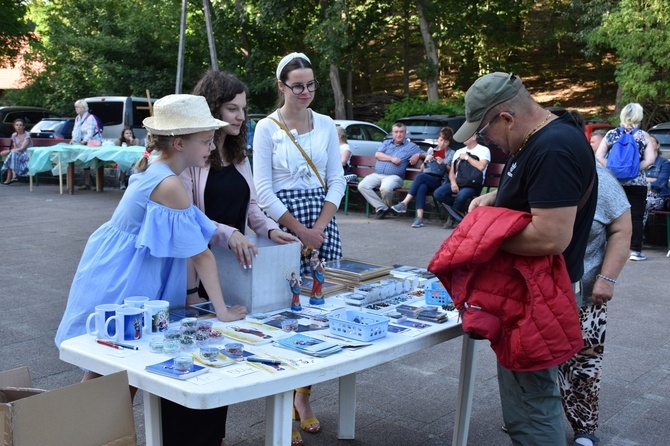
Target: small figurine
294,284
316,296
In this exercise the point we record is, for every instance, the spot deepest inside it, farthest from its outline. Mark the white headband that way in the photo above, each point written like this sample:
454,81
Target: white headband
289,58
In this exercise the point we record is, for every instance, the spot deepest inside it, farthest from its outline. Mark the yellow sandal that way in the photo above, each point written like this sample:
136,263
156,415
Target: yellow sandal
296,439
310,425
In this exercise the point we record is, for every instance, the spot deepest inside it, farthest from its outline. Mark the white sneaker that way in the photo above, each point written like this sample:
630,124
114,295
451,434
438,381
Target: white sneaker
123,186
637,256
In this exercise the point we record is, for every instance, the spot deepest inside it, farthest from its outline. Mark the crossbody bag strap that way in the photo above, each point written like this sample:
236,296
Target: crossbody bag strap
586,196
304,154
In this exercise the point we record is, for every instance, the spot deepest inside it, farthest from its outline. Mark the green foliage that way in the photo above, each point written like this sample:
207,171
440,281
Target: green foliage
13,30
108,47
639,33
418,106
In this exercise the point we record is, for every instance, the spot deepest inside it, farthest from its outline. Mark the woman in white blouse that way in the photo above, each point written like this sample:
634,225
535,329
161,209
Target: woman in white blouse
289,190
300,191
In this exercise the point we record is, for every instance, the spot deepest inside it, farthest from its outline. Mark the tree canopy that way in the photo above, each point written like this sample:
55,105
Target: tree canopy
362,50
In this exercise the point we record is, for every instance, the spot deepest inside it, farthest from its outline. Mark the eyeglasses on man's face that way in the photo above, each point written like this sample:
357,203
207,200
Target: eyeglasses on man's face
480,133
299,88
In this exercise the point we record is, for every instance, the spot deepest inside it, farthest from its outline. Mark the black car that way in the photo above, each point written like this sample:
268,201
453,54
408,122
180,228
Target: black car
53,128
662,133
424,130
30,115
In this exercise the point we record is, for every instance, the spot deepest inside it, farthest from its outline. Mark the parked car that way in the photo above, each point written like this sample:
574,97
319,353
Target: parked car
252,120
53,128
662,133
424,129
30,115
117,112
364,138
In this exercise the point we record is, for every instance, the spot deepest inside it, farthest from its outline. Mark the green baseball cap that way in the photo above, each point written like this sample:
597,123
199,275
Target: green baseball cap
487,92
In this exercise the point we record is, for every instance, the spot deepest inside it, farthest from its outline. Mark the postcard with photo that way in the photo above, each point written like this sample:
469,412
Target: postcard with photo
412,324
249,332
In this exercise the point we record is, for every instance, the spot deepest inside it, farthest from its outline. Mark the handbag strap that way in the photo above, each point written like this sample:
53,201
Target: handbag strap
586,196
304,154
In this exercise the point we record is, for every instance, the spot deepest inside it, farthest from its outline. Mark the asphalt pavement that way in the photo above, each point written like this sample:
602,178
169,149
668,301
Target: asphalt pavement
410,401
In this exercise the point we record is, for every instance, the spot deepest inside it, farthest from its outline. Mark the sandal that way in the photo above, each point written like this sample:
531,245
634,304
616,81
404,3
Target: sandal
84,187
310,425
296,439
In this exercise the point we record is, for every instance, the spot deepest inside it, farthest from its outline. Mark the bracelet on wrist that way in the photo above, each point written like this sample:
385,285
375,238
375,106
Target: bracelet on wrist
609,279
192,291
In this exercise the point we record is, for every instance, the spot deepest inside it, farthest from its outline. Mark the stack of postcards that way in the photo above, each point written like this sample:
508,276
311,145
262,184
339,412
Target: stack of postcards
353,272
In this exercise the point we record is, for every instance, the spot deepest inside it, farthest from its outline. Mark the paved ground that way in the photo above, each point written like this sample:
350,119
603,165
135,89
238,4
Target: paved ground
405,402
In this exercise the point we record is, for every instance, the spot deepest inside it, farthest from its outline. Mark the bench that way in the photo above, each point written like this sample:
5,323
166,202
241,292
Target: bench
667,225
365,165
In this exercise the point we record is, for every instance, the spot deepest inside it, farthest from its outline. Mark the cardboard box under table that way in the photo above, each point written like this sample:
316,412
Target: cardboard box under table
264,287
96,412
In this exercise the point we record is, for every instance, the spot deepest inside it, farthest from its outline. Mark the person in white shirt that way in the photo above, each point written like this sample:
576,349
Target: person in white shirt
289,190
301,191
456,194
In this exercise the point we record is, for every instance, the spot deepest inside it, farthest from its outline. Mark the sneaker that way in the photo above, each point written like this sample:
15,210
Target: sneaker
456,215
381,214
637,256
418,223
400,208
123,186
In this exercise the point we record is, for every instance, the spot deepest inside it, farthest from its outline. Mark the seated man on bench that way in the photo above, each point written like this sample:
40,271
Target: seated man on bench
393,157
466,178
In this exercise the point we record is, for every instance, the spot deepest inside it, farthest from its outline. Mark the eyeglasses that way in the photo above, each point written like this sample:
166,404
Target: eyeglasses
480,132
206,142
299,88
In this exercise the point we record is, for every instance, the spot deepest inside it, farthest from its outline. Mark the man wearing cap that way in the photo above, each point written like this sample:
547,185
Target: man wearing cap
393,157
551,174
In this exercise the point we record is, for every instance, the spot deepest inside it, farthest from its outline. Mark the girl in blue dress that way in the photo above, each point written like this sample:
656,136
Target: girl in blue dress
142,250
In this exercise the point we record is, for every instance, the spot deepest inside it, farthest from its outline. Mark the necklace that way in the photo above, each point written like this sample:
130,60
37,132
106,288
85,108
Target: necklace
532,132
308,119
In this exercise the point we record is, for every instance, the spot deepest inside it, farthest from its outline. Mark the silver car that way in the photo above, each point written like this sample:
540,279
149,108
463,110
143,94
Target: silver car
364,138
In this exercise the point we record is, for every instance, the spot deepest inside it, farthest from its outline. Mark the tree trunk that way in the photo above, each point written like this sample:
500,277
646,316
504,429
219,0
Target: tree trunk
337,92
431,54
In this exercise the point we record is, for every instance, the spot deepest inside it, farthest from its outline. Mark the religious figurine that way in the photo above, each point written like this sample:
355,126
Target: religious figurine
316,296
294,284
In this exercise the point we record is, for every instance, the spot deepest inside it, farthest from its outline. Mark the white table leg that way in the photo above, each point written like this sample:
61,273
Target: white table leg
465,391
278,419
153,426
346,428
60,176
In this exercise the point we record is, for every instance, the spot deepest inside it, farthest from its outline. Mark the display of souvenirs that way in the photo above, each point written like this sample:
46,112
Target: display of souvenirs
353,271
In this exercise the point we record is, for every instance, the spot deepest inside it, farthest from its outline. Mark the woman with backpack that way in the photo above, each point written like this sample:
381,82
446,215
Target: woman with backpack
625,151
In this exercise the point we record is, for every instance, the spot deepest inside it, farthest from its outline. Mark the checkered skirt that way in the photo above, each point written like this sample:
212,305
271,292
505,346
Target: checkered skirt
305,206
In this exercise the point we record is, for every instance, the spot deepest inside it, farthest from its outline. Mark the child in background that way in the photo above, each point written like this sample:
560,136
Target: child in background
142,250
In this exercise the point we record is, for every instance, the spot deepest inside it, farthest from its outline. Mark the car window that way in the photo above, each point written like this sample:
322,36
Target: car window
33,117
110,113
10,117
140,111
374,134
355,132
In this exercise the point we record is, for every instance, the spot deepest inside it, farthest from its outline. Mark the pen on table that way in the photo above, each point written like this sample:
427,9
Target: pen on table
264,361
109,344
117,345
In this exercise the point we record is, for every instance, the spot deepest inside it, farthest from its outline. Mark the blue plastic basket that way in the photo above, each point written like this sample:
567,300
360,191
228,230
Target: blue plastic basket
437,295
358,325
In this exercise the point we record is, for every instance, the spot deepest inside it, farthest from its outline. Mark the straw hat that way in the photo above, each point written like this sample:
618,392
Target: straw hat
181,114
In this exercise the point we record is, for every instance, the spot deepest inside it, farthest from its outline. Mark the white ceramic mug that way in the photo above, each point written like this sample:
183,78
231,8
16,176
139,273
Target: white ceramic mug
101,314
157,315
128,324
135,301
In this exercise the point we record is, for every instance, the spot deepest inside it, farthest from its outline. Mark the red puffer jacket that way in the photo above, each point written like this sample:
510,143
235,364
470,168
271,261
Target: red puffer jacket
524,305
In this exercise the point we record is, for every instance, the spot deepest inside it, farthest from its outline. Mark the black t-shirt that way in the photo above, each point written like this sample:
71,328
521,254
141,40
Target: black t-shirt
227,197
554,170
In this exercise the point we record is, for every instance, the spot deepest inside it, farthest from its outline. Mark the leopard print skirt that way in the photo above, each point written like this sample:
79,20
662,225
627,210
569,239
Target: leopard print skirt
579,377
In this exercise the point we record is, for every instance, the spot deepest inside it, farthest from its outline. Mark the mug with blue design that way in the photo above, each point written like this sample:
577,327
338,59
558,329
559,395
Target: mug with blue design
100,316
128,322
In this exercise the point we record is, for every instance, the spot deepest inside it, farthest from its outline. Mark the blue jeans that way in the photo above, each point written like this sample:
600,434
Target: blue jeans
421,185
443,194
